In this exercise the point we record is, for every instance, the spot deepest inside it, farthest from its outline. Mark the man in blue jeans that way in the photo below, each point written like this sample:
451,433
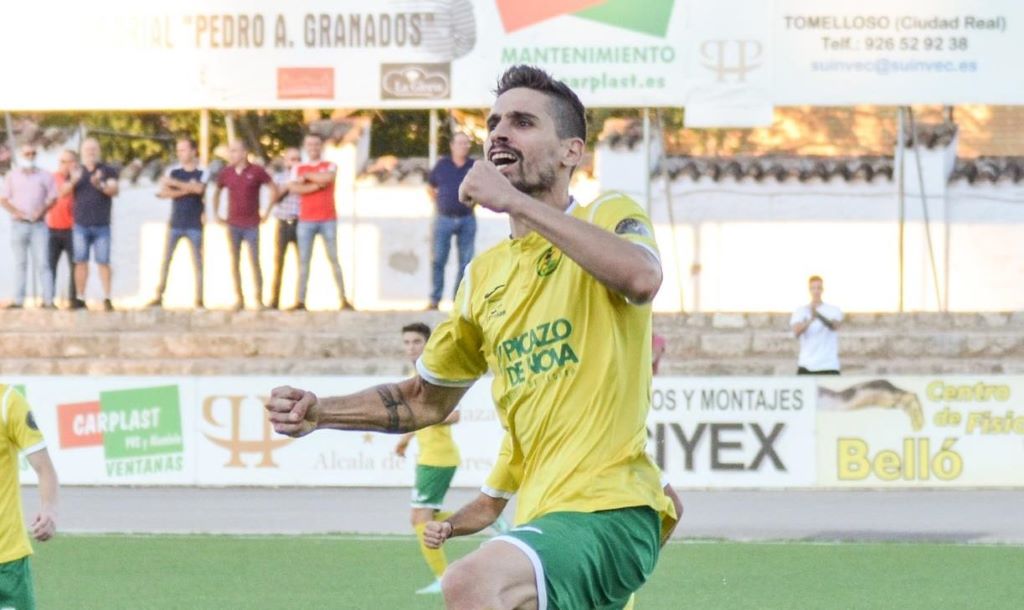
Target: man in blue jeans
243,180
94,184
313,181
28,193
452,218
184,184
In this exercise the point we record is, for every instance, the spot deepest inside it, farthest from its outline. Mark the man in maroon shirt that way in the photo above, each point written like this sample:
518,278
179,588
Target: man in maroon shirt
243,181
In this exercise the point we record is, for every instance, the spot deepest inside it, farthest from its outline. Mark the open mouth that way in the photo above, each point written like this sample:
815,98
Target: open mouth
502,158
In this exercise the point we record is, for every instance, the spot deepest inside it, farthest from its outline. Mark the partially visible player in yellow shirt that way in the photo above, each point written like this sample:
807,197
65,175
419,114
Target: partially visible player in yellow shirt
436,463
20,435
560,313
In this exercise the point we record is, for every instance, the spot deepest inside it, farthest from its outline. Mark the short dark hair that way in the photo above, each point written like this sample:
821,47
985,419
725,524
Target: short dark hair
417,327
568,112
192,143
313,134
814,278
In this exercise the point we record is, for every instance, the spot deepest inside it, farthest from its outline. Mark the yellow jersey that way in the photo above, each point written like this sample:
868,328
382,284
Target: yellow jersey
18,434
437,447
572,368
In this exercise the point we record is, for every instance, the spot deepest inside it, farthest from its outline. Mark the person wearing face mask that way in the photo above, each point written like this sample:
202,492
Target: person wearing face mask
27,194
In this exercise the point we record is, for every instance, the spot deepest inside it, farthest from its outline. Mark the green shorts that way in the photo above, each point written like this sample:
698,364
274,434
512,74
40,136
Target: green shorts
432,483
16,585
589,561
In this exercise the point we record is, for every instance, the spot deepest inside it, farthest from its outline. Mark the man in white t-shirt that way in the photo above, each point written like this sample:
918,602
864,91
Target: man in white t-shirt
815,325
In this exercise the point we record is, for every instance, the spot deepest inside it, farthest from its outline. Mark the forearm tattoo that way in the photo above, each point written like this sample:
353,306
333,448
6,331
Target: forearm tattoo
392,399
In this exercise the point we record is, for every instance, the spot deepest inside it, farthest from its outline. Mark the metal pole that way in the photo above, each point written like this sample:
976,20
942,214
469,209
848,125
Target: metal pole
670,207
229,123
900,198
432,146
647,160
204,137
924,209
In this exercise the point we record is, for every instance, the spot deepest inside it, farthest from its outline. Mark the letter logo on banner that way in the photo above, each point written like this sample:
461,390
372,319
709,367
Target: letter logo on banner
235,444
731,58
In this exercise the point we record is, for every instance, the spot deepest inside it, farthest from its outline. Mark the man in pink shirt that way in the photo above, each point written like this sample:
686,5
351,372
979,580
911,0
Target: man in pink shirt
27,194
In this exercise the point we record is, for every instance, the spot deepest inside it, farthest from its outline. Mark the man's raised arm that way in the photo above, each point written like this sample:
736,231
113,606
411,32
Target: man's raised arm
392,407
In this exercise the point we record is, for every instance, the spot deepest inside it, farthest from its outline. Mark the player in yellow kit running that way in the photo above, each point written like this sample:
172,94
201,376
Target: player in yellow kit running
19,434
436,463
560,314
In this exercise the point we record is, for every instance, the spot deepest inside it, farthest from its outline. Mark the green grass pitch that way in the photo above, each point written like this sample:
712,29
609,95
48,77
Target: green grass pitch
173,572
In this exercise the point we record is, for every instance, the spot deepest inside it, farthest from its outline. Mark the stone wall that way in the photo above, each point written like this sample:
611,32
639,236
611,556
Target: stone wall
155,342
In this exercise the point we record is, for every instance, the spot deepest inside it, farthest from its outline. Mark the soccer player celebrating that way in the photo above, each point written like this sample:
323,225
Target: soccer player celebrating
435,465
560,313
18,433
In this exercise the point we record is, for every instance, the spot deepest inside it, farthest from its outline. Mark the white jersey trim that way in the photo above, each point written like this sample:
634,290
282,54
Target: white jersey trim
34,448
433,379
497,493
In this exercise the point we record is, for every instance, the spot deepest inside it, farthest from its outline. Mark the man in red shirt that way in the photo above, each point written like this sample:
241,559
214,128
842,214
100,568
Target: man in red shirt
314,182
243,181
60,221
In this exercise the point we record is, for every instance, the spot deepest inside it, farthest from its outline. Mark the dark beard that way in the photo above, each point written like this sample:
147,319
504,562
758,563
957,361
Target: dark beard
544,183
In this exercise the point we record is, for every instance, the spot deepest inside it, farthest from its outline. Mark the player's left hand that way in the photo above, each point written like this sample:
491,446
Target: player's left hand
293,412
44,526
486,186
436,533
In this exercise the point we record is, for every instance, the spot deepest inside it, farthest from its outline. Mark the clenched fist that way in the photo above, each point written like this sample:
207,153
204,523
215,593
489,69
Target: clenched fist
292,411
436,533
486,186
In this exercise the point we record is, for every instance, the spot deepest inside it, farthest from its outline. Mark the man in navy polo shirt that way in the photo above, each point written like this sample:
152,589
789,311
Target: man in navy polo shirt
94,184
453,218
184,184
243,181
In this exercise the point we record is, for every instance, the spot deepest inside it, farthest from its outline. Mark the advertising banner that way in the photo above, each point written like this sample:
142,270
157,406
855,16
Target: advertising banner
724,432
116,430
921,431
732,59
733,432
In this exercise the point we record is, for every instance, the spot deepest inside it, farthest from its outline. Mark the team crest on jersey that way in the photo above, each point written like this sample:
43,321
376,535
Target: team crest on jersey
30,421
548,262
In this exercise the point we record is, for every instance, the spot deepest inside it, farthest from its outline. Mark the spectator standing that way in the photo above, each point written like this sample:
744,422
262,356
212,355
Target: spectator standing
28,193
60,220
816,326
243,181
184,184
313,181
452,218
94,185
285,210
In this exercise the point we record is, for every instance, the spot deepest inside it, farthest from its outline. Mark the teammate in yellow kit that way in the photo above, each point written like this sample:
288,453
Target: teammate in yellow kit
19,434
560,314
435,464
